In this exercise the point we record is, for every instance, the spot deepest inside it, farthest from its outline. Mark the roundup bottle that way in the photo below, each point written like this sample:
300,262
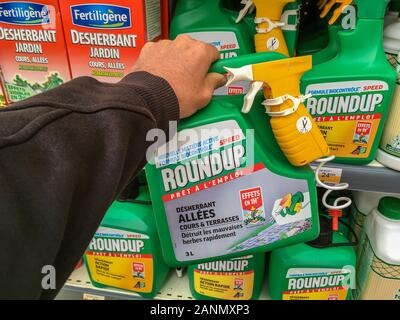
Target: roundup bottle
125,251
222,188
352,92
378,271
323,269
209,21
389,152
233,279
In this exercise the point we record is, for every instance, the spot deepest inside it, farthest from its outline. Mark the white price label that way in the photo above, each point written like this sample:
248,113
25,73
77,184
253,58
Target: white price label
88,296
329,175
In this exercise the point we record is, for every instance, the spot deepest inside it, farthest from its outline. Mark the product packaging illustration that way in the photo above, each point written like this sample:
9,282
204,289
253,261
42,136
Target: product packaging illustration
104,39
33,56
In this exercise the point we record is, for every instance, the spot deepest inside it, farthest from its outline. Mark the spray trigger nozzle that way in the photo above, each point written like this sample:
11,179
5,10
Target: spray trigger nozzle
251,95
239,74
248,7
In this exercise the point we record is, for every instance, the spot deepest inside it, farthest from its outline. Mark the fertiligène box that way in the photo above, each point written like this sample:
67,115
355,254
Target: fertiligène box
104,38
33,54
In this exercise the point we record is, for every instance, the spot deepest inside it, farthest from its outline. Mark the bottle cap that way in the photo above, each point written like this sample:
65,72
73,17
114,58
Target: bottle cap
390,207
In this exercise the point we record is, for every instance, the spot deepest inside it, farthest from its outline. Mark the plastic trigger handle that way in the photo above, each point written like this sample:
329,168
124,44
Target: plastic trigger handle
321,4
251,95
247,7
336,14
327,8
239,74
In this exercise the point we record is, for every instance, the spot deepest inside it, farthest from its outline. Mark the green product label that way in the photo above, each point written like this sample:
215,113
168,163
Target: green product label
121,259
199,176
226,279
349,114
318,284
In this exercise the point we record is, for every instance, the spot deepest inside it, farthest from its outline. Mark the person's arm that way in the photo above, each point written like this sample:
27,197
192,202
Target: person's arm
66,154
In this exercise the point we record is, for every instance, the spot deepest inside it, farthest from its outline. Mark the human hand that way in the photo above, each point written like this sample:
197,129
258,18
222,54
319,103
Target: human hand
184,64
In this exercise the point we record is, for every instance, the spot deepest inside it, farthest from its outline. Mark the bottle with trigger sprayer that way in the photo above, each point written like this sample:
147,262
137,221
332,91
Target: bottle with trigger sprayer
295,131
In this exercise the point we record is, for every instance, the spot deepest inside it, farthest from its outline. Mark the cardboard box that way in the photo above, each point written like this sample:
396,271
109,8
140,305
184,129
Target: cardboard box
104,39
33,54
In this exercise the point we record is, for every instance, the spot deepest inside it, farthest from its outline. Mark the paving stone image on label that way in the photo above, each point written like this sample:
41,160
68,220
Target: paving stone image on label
213,198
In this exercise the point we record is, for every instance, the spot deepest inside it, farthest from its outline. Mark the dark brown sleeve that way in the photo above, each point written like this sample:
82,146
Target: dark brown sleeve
65,155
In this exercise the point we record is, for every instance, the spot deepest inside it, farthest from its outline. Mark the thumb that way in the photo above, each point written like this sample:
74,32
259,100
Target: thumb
214,80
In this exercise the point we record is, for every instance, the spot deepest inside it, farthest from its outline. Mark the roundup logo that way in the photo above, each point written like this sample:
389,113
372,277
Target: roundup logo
24,13
101,16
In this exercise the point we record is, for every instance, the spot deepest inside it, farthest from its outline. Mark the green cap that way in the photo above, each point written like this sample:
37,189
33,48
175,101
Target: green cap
390,207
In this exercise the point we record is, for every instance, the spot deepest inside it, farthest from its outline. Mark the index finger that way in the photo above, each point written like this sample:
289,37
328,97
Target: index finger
214,54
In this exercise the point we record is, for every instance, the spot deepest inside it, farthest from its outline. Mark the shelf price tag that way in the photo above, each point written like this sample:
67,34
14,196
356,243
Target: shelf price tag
88,296
329,175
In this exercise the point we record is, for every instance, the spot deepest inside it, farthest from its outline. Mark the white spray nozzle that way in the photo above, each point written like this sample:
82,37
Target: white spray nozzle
248,4
251,95
239,74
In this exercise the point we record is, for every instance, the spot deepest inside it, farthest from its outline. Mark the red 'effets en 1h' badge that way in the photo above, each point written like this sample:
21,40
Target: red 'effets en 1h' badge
252,206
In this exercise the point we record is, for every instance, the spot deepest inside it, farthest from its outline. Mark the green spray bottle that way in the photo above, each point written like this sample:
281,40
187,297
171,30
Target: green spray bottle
125,252
323,269
219,185
347,21
353,91
209,21
233,279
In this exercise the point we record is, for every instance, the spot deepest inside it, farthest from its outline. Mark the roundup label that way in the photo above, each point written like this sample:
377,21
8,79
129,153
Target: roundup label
227,279
317,284
348,114
33,55
121,259
198,176
104,39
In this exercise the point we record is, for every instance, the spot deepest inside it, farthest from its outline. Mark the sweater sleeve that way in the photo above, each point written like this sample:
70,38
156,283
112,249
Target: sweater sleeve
65,155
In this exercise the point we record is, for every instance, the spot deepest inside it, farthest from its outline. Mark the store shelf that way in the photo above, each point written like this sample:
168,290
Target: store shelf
372,177
79,287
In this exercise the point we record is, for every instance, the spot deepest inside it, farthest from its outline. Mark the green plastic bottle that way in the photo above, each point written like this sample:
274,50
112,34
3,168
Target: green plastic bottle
347,21
318,270
218,185
125,252
233,279
353,91
209,21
